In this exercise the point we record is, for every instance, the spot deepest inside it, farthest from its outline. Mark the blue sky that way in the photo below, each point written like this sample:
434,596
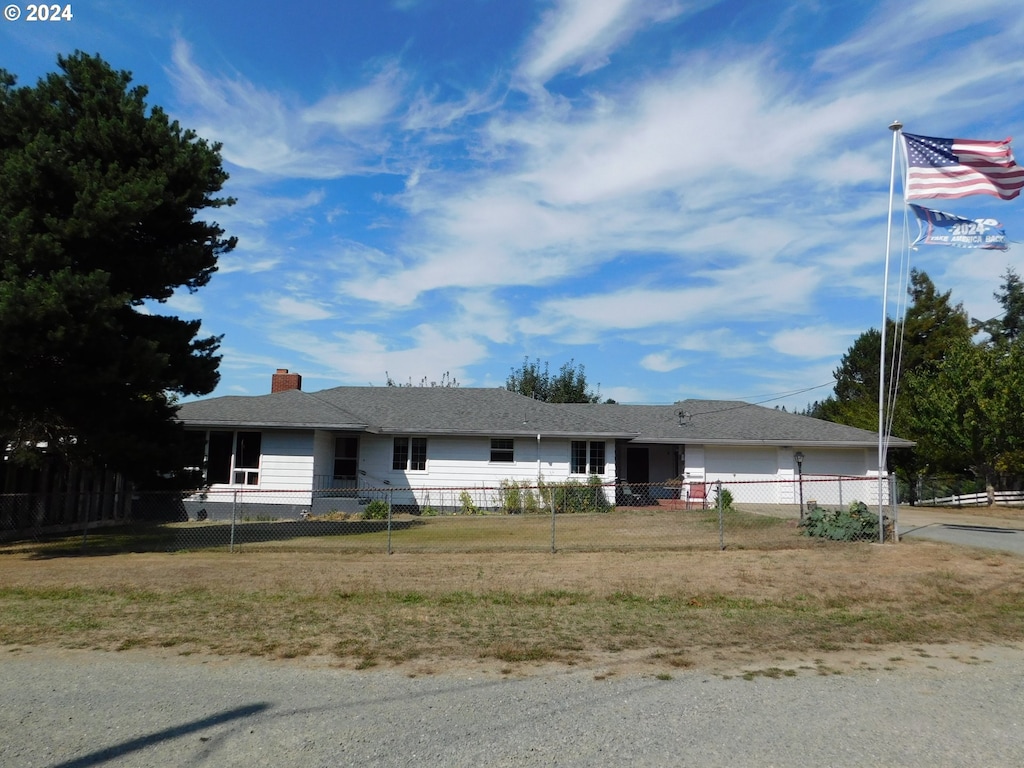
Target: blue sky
688,198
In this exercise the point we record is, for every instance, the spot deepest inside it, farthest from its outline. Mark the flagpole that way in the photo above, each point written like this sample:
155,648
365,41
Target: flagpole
895,127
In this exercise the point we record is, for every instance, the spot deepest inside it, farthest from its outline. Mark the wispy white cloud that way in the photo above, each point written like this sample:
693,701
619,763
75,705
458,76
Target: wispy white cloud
813,342
909,25
742,294
364,357
581,34
707,208
361,108
275,133
289,308
183,301
662,362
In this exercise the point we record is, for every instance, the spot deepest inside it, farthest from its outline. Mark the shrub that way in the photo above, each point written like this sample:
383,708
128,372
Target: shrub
855,523
376,510
573,497
509,497
725,496
531,501
570,496
467,505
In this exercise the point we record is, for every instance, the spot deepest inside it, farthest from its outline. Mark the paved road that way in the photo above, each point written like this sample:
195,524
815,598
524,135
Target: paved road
971,528
78,709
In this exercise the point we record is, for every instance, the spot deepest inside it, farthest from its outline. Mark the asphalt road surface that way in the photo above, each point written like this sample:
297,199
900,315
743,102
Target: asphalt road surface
71,709
973,528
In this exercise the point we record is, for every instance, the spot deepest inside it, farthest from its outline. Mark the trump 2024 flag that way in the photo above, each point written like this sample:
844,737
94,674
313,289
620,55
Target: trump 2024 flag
952,168
938,228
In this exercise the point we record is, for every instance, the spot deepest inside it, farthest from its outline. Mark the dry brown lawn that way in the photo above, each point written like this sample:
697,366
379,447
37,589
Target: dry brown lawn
428,611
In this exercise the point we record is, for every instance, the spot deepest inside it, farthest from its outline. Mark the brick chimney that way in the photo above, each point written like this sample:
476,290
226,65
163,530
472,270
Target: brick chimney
283,381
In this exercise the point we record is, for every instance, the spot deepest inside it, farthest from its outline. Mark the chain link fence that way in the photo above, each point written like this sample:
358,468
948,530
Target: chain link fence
511,516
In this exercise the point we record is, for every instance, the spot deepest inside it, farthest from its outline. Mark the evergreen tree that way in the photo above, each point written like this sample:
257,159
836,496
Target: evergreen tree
1008,327
98,216
932,324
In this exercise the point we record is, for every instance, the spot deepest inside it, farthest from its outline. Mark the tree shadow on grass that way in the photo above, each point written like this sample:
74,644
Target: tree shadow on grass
205,535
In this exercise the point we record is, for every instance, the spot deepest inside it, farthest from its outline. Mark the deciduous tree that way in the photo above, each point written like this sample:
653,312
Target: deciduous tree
569,385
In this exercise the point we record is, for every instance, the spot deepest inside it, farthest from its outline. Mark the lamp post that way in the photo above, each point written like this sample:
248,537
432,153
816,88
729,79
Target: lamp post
799,456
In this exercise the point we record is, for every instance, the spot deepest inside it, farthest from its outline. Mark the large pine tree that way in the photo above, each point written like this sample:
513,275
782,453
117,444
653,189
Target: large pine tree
100,213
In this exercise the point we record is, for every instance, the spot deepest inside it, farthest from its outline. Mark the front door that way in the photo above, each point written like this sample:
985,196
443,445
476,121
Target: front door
638,469
346,463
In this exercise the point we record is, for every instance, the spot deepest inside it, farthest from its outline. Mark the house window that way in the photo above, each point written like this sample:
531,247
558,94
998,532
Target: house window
587,458
346,458
579,457
502,449
247,458
400,456
233,457
410,453
597,457
218,457
418,457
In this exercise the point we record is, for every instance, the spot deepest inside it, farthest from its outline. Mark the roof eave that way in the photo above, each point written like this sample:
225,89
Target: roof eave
235,423
781,442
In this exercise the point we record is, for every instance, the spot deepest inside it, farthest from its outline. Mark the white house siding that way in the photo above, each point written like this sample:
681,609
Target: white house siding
768,474
464,462
285,472
286,469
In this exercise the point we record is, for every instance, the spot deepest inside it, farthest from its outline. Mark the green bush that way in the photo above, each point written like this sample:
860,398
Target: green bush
510,497
570,496
725,496
376,510
856,523
574,497
467,505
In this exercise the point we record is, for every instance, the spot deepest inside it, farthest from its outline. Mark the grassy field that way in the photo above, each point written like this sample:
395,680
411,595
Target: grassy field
622,530
488,600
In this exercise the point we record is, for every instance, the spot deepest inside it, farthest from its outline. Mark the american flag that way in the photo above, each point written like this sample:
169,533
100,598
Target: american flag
951,168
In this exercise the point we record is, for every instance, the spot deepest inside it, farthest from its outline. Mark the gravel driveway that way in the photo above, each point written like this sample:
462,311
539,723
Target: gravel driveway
70,709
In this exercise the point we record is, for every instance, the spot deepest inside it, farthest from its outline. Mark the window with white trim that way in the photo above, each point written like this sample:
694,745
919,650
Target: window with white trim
587,458
248,446
503,449
233,457
409,454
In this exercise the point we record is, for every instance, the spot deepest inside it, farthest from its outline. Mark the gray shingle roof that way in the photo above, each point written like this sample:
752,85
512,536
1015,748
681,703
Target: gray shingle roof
496,411
729,422
402,410
292,408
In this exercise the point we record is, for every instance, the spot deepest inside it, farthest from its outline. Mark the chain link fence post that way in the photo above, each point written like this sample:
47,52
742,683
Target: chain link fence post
551,499
390,507
721,515
234,505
